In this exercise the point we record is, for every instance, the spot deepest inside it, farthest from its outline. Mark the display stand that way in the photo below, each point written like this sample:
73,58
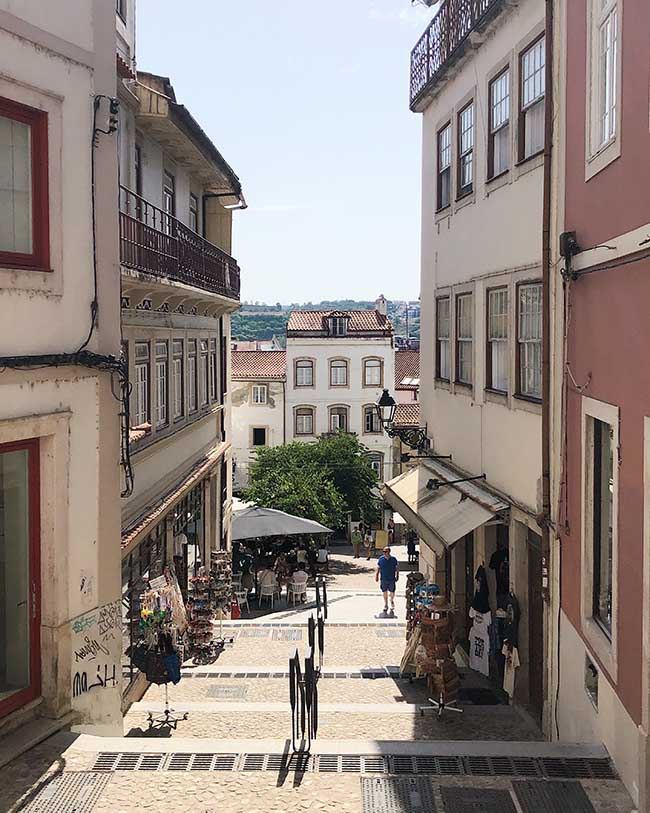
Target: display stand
223,593
168,718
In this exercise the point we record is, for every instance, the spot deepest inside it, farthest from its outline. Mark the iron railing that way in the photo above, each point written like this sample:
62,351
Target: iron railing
444,35
156,243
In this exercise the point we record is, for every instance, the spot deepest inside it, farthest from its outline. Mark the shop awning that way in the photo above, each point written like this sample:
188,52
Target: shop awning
444,516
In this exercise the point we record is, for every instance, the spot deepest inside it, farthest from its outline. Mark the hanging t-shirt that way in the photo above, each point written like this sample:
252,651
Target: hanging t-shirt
479,642
511,665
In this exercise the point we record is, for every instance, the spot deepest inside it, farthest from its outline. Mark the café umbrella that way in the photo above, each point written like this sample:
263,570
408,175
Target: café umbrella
255,523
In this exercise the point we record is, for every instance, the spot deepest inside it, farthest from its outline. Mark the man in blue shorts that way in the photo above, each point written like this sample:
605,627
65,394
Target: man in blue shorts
387,574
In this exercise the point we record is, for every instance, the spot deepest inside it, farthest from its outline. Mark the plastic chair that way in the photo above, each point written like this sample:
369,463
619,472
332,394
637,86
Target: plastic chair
268,588
297,587
242,598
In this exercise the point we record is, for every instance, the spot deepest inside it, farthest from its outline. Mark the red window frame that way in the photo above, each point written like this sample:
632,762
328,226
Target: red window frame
31,692
39,259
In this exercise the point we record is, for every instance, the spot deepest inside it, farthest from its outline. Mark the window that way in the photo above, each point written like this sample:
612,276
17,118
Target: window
531,105
497,338
466,150
120,8
607,70
213,369
169,202
191,375
339,325
499,138
371,423
372,372
162,382
194,213
141,389
24,204
442,339
530,340
377,465
259,393
601,479
444,167
205,371
339,419
464,305
177,370
304,421
338,373
304,373
259,436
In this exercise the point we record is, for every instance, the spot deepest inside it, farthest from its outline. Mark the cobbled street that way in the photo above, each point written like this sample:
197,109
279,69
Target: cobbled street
370,727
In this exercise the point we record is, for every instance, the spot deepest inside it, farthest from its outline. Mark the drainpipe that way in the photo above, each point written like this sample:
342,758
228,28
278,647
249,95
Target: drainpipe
284,413
546,518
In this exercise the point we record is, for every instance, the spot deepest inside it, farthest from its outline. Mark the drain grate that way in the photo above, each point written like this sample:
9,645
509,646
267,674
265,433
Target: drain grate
254,632
577,768
401,795
73,792
501,766
287,635
227,692
276,762
350,763
387,632
552,797
477,800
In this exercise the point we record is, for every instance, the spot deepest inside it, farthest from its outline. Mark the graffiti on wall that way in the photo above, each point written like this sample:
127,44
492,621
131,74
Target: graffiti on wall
96,650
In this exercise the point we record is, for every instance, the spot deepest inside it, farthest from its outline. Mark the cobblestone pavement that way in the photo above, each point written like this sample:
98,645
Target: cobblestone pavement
379,709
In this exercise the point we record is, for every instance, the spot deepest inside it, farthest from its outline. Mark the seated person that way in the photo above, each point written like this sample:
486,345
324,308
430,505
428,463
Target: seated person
323,555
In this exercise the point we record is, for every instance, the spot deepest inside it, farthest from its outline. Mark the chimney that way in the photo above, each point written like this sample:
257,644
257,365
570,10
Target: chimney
381,305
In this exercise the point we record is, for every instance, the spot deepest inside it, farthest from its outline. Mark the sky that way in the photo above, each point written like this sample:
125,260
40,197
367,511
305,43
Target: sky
309,105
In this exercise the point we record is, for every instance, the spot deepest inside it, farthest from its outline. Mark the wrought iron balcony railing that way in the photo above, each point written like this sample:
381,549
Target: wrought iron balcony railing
442,41
156,243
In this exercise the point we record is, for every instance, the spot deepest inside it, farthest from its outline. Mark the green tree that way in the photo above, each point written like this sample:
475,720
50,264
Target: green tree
290,479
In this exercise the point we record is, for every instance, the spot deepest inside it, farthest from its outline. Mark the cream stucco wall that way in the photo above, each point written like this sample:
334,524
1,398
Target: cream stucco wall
246,416
355,396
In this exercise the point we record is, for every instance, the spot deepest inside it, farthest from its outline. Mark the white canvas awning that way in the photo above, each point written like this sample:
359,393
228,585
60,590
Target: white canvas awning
441,517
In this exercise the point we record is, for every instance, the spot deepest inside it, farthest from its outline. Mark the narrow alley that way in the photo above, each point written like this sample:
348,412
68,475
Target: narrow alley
374,751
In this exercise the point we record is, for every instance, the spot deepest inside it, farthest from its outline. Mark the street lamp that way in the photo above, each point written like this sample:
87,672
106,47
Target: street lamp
386,407
413,436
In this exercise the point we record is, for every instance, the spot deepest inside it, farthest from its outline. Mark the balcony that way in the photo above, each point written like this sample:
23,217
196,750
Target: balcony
443,42
154,242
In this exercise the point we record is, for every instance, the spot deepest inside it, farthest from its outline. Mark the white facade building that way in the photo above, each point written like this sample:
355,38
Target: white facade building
337,364
480,381
59,419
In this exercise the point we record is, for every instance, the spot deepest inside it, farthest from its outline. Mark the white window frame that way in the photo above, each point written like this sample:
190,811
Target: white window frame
335,415
444,150
466,132
499,112
373,364
338,372
300,420
464,338
259,394
377,464
339,325
214,373
497,337
303,364
532,92
604,647
204,370
192,381
177,376
371,423
528,345
162,383
443,340
601,152
142,383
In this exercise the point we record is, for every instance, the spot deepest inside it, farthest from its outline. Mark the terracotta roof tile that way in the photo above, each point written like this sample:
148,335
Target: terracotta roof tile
407,415
360,321
259,364
407,365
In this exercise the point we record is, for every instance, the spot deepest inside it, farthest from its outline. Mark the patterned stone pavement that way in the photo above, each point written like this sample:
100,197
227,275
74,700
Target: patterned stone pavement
380,709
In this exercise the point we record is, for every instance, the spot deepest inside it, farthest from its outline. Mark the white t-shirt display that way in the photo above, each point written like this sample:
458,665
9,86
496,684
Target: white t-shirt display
479,642
511,665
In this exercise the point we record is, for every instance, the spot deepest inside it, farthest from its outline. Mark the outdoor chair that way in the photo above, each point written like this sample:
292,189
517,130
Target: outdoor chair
268,588
297,587
242,599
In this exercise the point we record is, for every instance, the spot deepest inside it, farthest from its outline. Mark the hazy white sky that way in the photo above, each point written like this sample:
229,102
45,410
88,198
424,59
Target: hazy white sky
309,104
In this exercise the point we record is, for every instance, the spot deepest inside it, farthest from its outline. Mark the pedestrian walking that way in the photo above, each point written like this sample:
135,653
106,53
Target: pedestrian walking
367,543
387,575
410,546
357,541
391,531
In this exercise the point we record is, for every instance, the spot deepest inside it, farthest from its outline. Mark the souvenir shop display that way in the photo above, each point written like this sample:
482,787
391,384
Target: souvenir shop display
159,651
413,580
209,599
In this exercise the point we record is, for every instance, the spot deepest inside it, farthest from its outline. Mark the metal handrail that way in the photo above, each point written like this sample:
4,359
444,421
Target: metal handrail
157,243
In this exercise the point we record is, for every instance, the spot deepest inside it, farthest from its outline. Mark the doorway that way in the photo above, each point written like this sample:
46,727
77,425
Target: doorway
20,586
535,626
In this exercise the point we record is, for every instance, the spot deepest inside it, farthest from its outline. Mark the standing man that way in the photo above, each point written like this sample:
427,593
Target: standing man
387,575
356,542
